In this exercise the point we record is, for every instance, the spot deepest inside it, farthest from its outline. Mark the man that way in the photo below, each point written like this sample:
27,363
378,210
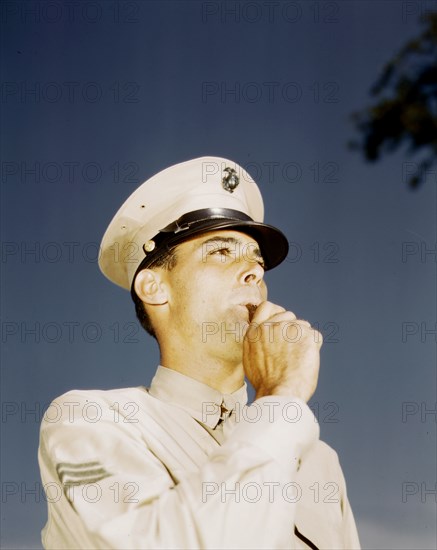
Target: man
186,463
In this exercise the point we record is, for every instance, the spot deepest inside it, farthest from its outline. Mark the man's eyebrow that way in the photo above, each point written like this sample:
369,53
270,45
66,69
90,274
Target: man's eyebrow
229,240
232,240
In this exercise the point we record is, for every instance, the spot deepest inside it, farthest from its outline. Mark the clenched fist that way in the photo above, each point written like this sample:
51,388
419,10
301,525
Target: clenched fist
281,354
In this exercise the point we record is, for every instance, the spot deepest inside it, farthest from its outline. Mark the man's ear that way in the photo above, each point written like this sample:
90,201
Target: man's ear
150,288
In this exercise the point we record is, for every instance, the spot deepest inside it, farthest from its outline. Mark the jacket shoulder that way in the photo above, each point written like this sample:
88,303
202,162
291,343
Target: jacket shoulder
95,405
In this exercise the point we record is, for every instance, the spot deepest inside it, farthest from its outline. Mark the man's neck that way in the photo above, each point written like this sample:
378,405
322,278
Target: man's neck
214,372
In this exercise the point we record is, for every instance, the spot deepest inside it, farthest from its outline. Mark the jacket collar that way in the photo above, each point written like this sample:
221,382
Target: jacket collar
205,404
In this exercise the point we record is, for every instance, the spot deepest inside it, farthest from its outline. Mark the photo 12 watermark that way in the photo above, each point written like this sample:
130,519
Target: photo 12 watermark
418,331
413,411
268,410
69,12
289,331
68,92
53,252
270,491
72,490
270,12
67,411
68,172
418,252
69,332
269,92
413,10
414,170
419,491
276,172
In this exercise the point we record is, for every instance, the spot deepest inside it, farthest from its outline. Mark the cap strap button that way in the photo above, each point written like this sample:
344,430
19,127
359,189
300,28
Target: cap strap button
149,246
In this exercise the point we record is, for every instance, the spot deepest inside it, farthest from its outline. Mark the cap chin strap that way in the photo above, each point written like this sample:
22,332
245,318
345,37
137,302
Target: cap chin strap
272,242
173,233
204,215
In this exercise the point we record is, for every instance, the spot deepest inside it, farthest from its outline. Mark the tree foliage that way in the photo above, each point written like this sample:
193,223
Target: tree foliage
405,111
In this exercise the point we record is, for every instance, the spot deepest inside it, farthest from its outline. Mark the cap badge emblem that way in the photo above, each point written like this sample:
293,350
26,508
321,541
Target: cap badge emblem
231,180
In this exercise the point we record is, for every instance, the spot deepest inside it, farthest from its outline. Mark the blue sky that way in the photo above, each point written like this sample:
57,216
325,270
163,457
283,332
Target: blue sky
97,97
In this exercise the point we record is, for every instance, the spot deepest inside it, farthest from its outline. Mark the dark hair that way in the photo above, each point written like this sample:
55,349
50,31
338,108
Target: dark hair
166,261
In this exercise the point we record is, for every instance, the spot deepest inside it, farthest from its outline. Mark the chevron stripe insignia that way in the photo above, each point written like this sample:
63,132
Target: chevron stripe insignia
80,474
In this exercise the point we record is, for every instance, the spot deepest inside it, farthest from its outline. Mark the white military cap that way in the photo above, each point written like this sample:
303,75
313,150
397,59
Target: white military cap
197,196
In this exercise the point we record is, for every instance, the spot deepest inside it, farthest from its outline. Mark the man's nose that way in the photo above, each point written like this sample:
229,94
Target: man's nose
251,273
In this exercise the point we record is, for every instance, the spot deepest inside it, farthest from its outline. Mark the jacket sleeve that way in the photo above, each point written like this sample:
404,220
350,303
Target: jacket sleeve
350,533
107,489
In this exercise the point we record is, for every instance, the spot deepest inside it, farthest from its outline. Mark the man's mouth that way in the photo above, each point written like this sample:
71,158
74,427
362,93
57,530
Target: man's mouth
251,308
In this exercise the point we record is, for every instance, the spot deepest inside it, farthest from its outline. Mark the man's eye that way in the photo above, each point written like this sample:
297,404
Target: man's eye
257,260
261,263
221,251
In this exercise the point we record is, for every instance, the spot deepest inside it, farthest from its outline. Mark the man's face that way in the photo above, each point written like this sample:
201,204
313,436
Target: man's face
217,275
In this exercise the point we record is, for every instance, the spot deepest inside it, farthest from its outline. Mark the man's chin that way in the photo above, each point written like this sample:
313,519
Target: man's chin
229,331
234,331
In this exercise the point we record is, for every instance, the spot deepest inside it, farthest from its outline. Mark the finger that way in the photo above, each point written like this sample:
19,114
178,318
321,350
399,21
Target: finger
265,310
282,317
318,337
310,331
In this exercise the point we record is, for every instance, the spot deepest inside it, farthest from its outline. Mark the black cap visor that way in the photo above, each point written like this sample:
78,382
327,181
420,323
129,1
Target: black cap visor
272,242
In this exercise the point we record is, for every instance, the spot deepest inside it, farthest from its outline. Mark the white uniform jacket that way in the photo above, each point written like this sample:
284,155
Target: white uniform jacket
182,466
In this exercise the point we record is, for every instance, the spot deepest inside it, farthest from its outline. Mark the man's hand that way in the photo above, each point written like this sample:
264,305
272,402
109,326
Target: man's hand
281,354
